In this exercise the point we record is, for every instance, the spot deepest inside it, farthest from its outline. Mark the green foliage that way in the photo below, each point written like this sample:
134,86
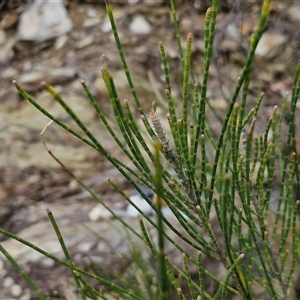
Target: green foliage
198,176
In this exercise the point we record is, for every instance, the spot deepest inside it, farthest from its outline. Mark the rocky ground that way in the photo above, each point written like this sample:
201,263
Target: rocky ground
31,181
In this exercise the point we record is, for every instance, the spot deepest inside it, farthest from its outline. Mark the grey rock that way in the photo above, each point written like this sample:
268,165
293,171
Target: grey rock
270,45
85,42
61,42
6,50
106,27
16,290
294,13
91,22
31,80
139,25
44,20
91,12
8,282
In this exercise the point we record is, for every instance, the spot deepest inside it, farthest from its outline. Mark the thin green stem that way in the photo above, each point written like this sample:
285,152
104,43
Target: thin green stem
22,272
66,252
253,44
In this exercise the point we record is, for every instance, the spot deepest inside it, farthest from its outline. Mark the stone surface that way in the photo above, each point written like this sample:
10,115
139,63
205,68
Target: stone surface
16,290
139,25
81,234
270,45
44,20
294,13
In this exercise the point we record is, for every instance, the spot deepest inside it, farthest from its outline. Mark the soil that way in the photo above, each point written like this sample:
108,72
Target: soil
31,180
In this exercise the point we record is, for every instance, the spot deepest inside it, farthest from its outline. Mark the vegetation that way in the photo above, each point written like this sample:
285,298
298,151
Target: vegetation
200,175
